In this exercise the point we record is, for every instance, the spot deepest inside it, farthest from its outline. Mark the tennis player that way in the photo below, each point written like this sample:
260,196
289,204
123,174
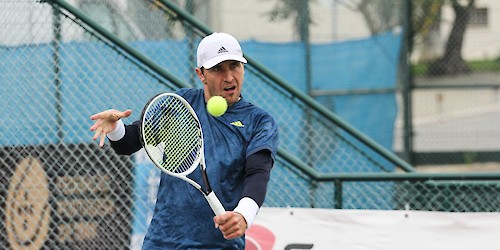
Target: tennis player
239,151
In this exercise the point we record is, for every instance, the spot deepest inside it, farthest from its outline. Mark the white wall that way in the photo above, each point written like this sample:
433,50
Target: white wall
484,42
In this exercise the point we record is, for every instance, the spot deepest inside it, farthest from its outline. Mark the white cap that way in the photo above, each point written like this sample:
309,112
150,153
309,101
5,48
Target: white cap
218,47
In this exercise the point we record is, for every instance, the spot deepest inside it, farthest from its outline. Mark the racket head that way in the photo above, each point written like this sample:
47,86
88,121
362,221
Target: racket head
171,134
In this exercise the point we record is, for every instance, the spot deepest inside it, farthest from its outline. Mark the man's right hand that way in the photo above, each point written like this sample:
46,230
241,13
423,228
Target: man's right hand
105,122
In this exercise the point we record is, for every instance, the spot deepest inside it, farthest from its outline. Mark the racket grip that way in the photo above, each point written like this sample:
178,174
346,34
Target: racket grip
215,204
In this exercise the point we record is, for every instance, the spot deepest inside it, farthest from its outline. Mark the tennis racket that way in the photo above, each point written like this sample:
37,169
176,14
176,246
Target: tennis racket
172,138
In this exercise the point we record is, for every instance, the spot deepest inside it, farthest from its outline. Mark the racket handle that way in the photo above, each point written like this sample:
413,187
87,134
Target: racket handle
215,204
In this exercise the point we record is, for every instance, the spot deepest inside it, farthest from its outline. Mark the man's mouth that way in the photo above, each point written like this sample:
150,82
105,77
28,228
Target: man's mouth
232,88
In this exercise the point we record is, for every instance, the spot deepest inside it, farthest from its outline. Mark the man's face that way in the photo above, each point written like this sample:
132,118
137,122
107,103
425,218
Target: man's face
224,79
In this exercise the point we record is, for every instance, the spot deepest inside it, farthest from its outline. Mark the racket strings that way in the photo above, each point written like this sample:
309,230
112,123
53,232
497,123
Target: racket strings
172,135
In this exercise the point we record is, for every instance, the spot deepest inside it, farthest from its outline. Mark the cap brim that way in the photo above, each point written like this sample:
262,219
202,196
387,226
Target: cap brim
218,59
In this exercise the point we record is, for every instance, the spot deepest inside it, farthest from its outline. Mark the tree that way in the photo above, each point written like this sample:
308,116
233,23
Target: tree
379,15
300,12
296,9
452,61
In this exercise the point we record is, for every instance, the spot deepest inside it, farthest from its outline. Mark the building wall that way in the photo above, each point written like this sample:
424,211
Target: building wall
484,42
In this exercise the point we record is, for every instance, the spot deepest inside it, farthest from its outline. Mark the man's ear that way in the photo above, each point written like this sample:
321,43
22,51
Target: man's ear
200,74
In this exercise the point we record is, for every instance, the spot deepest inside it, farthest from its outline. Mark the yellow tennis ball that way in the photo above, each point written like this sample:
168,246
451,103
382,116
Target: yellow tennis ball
217,105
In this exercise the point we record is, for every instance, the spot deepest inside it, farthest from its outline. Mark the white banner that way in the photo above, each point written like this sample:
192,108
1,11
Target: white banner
329,229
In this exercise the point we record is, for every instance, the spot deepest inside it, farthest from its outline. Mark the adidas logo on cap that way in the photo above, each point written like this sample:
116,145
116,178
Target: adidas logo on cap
222,50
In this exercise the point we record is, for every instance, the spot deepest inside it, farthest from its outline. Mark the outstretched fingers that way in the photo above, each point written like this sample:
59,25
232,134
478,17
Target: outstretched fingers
105,122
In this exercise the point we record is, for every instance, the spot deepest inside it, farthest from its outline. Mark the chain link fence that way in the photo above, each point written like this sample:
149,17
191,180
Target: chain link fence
454,100
60,191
